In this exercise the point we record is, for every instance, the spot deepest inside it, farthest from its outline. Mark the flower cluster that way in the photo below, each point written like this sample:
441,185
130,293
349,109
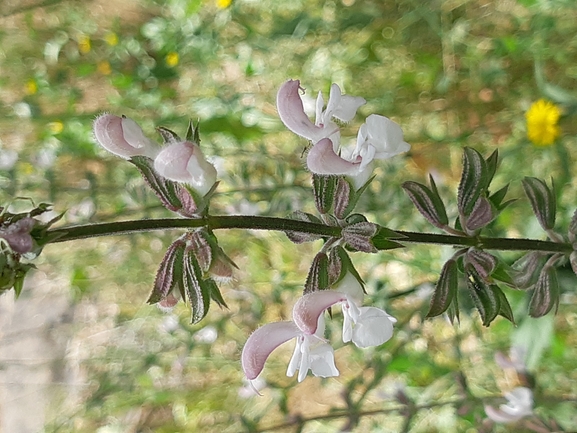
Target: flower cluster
378,138
179,160
364,326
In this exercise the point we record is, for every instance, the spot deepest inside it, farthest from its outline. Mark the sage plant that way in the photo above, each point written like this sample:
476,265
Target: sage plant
341,169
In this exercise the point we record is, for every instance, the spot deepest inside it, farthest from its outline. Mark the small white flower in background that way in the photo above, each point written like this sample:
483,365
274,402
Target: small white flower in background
184,162
8,159
206,335
519,405
515,360
378,138
123,137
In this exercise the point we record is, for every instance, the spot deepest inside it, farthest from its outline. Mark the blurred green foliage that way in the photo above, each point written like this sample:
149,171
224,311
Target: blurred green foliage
451,73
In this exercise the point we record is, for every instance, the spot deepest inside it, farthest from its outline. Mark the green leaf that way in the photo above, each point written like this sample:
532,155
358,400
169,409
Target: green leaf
504,306
382,239
445,290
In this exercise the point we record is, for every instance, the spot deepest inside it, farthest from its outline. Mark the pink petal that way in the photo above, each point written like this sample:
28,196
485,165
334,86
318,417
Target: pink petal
262,342
292,113
308,309
322,159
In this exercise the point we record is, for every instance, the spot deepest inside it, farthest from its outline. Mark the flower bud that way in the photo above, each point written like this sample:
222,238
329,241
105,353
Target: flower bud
185,162
123,137
18,235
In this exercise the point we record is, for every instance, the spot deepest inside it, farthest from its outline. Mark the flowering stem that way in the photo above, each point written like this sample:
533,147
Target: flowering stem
284,224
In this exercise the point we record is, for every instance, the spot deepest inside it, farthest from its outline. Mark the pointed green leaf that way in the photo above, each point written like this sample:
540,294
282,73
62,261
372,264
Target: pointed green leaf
504,306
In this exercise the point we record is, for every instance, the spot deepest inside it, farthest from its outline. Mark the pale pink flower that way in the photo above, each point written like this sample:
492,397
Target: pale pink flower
123,137
184,162
378,138
364,326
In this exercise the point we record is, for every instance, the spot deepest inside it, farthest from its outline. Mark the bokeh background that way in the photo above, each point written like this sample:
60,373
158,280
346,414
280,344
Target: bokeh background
80,351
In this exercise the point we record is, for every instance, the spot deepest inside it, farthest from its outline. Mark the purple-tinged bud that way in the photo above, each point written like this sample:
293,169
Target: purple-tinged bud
184,162
18,235
123,137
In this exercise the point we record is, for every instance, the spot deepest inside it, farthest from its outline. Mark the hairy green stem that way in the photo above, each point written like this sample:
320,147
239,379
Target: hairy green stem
284,224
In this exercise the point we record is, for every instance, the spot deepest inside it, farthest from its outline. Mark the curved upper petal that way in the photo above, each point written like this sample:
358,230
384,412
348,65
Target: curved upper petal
322,159
262,342
292,113
308,309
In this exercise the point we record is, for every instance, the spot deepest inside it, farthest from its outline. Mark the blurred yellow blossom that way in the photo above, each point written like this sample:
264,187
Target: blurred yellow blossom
223,4
542,119
104,67
172,59
31,87
56,127
111,39
83,44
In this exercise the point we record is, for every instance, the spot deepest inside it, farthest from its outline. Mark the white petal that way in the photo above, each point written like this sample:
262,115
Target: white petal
348,107
262,342
134,135
351,286
322,159
322,361
295,360
309,308
332,104
386,136
373,327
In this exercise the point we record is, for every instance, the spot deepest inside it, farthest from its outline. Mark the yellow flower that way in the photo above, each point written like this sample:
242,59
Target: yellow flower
172,59
56,127
104,67
542,118
31,87
223,4
84,44
111,39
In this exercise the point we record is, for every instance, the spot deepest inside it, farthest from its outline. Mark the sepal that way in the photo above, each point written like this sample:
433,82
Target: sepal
169,274
324,192
172,195
318,277
474,180
481,215
542,200
546,293
446,289
428,202
485,296
300,237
